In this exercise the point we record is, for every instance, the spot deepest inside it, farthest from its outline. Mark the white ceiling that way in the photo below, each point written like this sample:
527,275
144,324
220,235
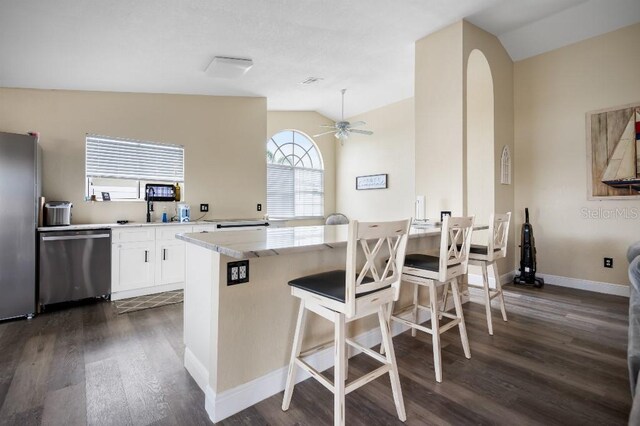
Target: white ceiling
366,46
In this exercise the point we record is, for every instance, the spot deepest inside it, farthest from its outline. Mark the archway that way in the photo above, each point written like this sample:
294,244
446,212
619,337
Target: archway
480,170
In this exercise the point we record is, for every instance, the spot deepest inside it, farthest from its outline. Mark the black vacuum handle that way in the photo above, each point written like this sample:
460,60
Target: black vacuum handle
526,215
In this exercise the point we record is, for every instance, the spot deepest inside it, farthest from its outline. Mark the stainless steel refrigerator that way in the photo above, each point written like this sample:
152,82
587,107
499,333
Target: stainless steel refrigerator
19,210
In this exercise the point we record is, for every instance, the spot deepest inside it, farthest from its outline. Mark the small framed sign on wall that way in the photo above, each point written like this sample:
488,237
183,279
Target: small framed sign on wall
371,181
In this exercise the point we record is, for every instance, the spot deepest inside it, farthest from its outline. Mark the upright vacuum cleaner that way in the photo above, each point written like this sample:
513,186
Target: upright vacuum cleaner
527,274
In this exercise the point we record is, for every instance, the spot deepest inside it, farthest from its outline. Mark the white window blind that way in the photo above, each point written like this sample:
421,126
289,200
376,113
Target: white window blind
130,159
295,178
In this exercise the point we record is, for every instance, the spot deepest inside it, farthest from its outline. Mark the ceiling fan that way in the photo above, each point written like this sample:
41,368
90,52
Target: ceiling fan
341,129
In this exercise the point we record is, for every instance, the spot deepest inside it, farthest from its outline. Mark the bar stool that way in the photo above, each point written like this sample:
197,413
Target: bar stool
436,271
485,256
343,296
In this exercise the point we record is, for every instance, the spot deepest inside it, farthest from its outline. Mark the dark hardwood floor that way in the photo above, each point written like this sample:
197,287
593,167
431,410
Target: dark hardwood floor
560,360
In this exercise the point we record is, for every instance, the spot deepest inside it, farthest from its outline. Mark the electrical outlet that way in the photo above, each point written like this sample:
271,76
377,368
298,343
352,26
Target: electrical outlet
608,262
237,272
204,207
259,207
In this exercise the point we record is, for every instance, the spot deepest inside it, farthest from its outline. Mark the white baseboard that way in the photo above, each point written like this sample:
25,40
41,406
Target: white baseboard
595,286
125,294
232,401
504,279
197,370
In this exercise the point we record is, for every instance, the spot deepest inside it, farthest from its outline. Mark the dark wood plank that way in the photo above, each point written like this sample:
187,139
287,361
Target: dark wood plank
560,359
106,400
65,406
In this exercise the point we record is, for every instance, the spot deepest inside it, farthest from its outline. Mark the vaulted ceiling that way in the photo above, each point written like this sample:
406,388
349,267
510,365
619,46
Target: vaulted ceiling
366,46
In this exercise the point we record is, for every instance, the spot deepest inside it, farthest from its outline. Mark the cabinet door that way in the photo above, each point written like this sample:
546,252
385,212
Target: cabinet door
132,265
170,262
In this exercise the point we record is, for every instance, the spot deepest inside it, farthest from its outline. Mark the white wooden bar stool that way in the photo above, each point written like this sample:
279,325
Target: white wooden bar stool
343,296
436,271
486,256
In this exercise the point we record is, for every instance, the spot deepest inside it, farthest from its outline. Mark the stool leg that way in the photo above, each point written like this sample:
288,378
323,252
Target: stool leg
487,297
499,288
387,342
295,353
462,326
435,331
339,373
415,308
388,311
445,294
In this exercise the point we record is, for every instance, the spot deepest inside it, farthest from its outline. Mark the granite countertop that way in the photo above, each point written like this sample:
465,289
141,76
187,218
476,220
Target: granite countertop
86,226
274,241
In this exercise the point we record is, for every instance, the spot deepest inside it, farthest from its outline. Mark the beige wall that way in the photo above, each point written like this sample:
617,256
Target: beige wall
309,122
553,91
389,150
439,120
223,139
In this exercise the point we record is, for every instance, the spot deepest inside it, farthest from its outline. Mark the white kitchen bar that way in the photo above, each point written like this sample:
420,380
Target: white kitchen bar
238,337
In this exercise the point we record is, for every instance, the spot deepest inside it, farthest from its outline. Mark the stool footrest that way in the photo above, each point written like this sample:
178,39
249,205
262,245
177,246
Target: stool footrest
315,349
412,324
368,351
447,315
315,374
494,295
361,381
449,325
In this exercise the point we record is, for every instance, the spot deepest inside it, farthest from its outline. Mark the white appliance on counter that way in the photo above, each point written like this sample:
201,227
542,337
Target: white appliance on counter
184,212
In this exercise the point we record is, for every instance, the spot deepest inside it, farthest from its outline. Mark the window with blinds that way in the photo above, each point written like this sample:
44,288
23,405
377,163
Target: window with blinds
122,167
295,176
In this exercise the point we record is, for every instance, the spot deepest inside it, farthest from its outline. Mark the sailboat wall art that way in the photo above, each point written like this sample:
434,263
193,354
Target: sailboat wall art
613,153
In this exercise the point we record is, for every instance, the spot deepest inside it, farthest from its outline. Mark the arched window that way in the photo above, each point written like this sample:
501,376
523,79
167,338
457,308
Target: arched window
295,176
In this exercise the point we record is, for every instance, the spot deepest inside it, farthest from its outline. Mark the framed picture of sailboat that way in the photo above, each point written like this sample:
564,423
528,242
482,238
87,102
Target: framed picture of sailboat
613,153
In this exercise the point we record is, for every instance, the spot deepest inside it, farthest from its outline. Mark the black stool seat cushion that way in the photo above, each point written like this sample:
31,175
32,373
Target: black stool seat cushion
328,284
477,249
422,261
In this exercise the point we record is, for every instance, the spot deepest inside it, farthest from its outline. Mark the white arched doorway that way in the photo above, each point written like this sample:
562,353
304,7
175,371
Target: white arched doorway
480,168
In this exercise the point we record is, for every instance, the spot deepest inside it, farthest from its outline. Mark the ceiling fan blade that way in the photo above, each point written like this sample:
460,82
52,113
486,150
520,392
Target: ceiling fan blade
358,123
362,132
333,126
324,133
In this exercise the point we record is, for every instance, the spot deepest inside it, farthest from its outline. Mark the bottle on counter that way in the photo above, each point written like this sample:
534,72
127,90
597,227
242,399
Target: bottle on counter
165,219
177,190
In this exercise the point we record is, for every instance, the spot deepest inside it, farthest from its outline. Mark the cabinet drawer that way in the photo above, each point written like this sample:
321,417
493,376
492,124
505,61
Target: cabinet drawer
146,233
167,233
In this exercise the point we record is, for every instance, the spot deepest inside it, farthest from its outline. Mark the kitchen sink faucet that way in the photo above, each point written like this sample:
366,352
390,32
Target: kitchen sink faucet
150,194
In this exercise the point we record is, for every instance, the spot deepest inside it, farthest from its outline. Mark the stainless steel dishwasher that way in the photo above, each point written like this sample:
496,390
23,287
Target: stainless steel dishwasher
74,265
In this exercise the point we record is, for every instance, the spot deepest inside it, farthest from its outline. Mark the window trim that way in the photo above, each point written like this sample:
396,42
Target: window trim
289,166
139,179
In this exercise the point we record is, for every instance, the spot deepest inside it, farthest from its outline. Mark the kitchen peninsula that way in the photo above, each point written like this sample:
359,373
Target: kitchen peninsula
238,337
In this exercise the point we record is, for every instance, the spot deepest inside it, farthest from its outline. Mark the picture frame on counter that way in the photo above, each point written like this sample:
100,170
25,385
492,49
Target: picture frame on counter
378,181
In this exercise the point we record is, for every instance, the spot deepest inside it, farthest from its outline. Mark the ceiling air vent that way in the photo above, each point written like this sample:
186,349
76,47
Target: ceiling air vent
311,80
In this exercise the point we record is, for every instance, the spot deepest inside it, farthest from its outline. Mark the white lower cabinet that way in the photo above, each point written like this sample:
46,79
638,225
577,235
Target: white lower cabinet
132,265
153,265
170,264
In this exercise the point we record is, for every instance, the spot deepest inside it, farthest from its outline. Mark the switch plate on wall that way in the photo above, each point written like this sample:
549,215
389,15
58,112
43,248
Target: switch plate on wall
238,272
